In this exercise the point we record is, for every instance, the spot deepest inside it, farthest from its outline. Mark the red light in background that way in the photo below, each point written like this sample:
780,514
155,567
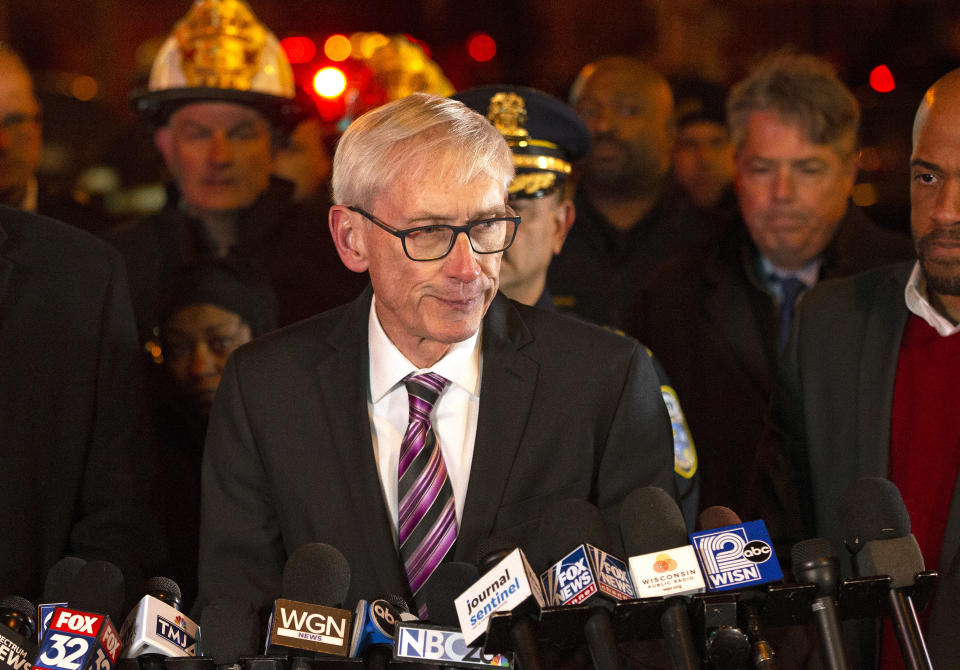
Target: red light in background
337,48
481,47
881,79
298,49
329,82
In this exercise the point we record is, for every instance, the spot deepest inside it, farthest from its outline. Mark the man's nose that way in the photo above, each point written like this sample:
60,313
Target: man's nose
784,186
221,150
461,263
946,210
202,361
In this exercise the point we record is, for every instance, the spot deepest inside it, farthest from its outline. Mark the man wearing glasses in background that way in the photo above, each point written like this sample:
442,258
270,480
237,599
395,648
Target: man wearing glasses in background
512,408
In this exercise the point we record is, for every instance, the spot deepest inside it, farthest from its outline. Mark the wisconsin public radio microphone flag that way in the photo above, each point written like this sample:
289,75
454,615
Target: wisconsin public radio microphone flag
733,557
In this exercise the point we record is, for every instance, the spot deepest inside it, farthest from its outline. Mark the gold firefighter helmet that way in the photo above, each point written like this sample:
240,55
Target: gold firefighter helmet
220,51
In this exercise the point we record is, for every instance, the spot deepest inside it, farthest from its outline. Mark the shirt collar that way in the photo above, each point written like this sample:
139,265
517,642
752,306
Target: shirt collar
808,274
388,367
31,196
915,294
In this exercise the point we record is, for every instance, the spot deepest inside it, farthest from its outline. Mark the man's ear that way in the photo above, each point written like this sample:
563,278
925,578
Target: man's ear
563,216
163,139
347,229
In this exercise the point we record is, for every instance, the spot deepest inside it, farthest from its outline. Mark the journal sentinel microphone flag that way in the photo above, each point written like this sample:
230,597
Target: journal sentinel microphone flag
733,557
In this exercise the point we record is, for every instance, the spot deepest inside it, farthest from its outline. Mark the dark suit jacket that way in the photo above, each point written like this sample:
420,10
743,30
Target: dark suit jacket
68,397
713,325
831,407
567,410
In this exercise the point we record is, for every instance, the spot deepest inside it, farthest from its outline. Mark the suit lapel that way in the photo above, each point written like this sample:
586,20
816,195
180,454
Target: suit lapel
343,387
506,394
731,306
6,267
886,320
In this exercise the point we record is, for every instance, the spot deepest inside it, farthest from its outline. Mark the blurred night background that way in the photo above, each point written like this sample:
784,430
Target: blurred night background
88,56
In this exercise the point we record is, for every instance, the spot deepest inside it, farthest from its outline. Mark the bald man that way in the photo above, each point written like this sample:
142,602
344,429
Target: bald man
868,386
21,144
630,216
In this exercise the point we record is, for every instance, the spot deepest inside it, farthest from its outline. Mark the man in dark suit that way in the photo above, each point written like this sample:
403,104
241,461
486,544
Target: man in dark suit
68,371
308,436
714,315
868,382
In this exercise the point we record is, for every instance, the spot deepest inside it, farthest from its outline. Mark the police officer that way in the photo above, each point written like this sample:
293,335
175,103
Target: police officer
547,136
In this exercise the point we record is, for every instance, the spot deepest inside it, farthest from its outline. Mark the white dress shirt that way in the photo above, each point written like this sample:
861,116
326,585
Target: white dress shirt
454,416
915,294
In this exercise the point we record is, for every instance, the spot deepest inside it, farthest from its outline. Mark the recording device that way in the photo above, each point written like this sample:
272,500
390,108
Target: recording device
509,586
17,632
374,628
441,641
733,644
315,573
875,527
586,574
651,523
78,640
815,562
156,626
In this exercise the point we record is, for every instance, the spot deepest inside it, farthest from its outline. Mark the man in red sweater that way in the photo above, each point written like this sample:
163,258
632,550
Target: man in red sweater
867,384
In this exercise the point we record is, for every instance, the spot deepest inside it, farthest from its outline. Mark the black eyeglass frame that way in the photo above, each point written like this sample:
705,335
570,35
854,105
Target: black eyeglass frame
465,229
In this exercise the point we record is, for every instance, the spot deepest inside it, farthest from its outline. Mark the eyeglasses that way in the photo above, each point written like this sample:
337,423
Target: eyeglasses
18,123
433,242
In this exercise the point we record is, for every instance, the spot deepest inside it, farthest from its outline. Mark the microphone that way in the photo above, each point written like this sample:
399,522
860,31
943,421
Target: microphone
83,635
509,585
56,590
17,632
586,574
441,641
231,629
651,523
156,627
876,530
374,628
815,562
315,573
729,642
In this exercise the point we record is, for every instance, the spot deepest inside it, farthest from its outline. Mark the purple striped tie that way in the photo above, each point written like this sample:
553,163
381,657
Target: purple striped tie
427,525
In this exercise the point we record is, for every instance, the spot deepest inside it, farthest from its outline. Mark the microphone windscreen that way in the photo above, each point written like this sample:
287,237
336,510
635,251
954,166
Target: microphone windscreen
316,573
567,524
872,509
166,590
811,550
60,578
19,614
399,602
99,588
229,629
492,550
717,516
440,592
651,521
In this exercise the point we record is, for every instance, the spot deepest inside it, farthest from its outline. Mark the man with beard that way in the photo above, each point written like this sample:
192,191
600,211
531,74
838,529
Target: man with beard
630,217
868,388
717,316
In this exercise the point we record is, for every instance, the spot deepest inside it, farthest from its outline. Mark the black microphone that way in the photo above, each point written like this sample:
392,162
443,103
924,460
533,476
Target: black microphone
650,521
308,620
375,628
231,630
17,633
574,534
728,646
815,562
99,587
57,588
876,529
156,627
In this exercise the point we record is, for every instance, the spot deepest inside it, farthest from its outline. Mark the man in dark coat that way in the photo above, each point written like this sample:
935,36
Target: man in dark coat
716,316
